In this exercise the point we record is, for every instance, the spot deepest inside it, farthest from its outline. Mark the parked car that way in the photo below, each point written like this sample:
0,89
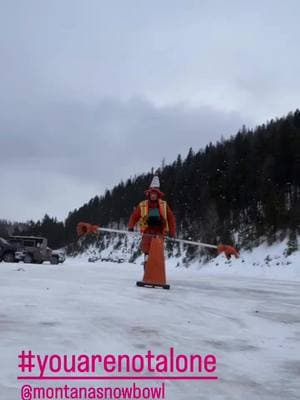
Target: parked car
109,259
7,251
34,249
113,259
60,254
94,259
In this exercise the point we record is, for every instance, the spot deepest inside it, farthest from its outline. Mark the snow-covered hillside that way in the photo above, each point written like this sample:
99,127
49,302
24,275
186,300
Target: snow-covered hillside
251,324
262,261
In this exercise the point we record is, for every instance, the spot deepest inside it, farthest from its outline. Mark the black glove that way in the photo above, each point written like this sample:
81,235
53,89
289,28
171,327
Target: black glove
130,229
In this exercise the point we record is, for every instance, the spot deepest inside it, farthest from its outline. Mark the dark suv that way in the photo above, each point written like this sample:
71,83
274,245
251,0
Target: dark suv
34,249
7,251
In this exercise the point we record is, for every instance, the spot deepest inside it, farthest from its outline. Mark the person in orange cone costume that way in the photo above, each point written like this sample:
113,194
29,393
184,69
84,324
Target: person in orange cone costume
156,220
154,215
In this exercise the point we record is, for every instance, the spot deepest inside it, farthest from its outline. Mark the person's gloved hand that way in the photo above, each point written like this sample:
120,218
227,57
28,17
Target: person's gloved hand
130,229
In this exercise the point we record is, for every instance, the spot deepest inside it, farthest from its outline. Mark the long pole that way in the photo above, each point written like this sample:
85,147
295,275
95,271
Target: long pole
190,242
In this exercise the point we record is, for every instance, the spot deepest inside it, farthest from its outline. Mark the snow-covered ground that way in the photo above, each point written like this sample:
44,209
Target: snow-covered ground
251,323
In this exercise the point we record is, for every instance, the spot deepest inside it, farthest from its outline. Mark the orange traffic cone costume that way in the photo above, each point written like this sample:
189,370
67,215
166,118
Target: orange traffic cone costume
156,219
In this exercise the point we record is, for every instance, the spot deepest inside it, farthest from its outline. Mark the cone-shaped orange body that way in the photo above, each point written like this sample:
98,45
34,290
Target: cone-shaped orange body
155,271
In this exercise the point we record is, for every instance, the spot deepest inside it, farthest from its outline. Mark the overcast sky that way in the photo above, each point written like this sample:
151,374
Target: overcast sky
92,92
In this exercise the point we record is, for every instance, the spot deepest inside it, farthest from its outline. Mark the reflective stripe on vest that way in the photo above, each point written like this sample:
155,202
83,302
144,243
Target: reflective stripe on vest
144,206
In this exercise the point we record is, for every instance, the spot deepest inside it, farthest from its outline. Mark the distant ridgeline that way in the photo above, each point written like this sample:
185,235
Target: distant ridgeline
242,190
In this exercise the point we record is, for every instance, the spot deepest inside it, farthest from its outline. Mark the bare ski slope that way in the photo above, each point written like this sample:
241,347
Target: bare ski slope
252,325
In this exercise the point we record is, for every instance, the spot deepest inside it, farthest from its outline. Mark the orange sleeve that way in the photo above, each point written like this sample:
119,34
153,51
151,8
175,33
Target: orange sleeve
171,221
135,217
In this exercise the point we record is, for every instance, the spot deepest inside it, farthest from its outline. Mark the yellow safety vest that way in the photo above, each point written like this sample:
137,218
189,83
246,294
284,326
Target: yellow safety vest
144,206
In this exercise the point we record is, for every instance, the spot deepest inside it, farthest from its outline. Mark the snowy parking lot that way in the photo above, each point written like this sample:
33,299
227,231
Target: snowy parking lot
251,324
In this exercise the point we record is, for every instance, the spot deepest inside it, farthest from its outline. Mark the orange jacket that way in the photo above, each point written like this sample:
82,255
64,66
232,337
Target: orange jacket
170,221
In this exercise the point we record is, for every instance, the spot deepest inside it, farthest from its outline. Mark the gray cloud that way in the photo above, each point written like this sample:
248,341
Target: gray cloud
71,151
93,92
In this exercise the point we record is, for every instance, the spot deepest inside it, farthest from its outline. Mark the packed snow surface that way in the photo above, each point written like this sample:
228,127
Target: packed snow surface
238,312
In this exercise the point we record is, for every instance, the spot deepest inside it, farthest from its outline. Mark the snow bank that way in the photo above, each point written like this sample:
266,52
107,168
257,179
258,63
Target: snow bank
263,261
